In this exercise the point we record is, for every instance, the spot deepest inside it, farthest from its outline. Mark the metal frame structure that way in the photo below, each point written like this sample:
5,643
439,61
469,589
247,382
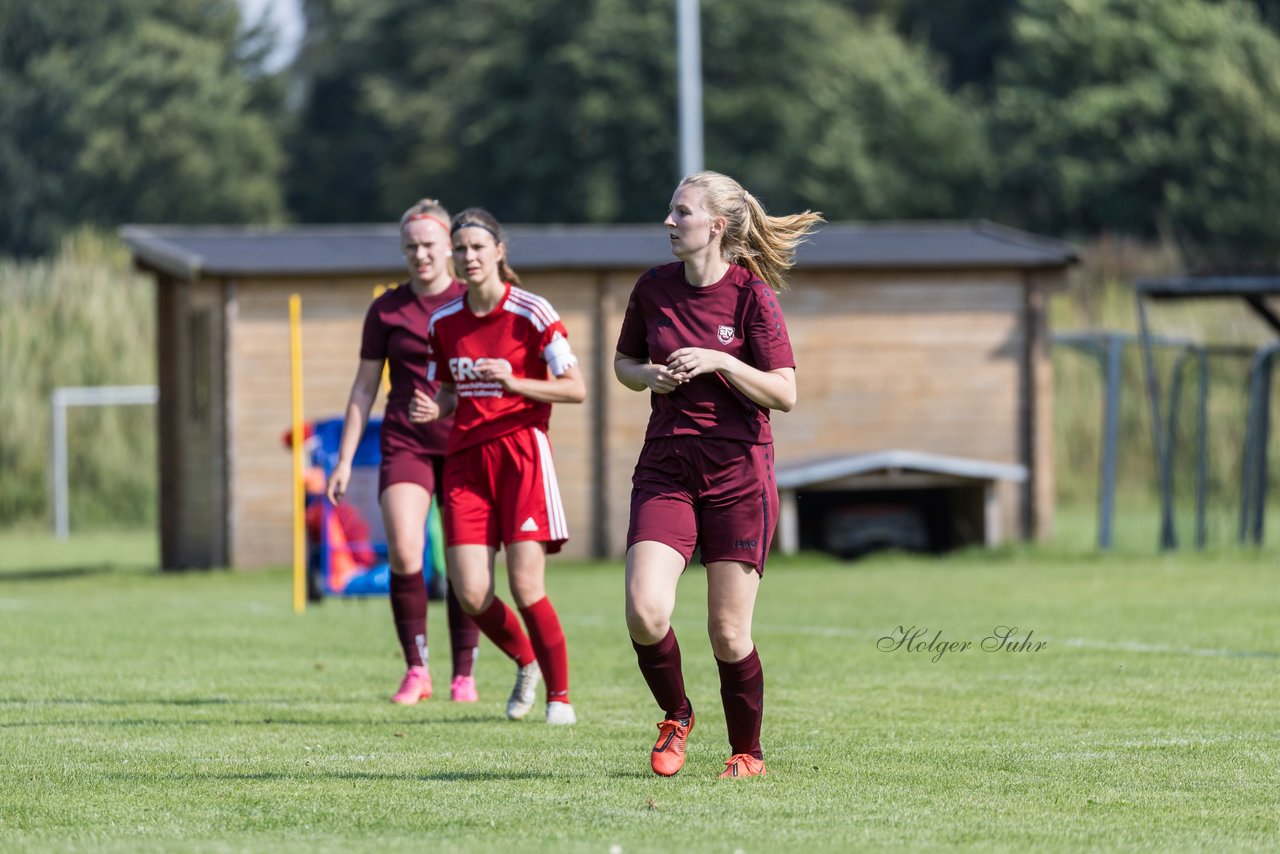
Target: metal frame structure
59,400
1253,290
1108,348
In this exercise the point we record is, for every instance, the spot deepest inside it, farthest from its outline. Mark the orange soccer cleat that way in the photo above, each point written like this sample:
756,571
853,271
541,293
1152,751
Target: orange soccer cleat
668,751
743,765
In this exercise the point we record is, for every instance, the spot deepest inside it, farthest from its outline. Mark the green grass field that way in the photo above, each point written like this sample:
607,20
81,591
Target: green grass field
148,711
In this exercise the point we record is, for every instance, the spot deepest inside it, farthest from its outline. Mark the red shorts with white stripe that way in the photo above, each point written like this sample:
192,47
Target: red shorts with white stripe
504,491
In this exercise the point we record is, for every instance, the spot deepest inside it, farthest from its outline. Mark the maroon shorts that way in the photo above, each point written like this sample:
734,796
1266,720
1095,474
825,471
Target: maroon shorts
504,491
404,466
716,494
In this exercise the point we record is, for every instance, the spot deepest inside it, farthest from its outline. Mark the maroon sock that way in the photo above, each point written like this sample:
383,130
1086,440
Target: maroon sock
464,636
409,611
548,644
660,665
742,692
500,625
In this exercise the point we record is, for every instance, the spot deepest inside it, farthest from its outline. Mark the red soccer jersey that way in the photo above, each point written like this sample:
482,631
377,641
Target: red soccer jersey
523,329
738,315
395,329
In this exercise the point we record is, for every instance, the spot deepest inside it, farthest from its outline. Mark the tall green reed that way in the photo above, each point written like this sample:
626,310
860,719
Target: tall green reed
80,318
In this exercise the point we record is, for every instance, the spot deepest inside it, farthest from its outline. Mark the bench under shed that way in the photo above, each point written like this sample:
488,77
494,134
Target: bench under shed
862,502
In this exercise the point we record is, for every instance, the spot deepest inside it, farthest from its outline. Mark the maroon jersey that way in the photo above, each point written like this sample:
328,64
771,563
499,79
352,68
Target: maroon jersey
395,329
524,330
738,315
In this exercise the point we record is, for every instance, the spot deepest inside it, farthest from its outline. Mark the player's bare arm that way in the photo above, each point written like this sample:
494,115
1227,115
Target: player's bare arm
569,387
363,390
423,409
774,389
638,376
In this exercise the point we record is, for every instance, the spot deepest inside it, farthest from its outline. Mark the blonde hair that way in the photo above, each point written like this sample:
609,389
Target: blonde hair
430,209
765,245
426,209
481,218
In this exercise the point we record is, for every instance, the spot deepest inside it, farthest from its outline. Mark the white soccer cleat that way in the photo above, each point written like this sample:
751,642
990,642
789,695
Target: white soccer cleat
560,714
524,692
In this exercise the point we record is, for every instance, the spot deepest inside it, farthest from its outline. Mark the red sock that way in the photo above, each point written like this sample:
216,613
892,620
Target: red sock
409,612
464,636
742,692
500,625
548,644
660,665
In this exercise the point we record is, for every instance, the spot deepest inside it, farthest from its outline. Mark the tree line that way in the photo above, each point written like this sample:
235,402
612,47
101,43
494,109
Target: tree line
1137,117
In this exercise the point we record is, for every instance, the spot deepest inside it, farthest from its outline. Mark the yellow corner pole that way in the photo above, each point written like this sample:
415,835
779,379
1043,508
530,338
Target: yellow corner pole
299,493
379,290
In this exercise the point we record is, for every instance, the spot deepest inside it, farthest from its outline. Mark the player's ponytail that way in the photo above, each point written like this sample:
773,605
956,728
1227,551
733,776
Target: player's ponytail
765,245
481,218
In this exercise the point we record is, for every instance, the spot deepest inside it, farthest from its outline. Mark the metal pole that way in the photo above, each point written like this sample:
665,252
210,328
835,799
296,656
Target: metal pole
1175,405
1247,461
1264,430
1112,372
1202,449
1167,536
689,61
61,527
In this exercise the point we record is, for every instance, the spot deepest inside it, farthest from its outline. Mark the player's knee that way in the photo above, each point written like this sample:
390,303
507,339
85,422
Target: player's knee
730,640
473,601
647,622
405,561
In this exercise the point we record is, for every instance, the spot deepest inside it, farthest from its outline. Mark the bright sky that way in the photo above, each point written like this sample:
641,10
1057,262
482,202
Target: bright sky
286,17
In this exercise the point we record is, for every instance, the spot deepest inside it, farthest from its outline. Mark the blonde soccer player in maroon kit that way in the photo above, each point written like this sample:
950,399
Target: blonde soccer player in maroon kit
707,338
503,358
395,334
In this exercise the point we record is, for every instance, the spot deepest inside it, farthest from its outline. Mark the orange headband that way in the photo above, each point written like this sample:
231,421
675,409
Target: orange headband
437,220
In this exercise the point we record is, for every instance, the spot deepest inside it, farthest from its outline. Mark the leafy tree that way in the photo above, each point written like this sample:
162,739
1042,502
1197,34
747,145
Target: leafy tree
1138,115
540,111
967,36
565,110
812,108
129,110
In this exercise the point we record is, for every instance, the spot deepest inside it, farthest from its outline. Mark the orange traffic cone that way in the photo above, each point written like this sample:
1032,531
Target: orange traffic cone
342,565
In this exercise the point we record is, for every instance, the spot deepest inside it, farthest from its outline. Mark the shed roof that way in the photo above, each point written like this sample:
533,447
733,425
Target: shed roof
190,252
822,470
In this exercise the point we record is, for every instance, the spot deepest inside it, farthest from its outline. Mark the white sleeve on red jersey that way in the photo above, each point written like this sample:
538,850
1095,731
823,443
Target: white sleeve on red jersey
558,354
554,338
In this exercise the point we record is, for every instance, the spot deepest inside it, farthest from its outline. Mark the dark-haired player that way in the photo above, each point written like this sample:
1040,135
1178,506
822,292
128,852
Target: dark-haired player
502,356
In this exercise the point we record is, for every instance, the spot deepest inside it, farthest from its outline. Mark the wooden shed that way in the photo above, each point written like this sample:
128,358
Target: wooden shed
921,337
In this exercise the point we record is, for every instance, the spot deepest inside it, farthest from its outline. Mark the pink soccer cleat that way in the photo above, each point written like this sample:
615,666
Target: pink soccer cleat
463,689
415,686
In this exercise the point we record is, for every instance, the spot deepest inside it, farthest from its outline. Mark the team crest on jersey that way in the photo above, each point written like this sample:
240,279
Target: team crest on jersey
725,334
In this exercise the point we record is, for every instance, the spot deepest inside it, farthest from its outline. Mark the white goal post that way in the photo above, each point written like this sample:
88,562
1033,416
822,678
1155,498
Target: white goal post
59,401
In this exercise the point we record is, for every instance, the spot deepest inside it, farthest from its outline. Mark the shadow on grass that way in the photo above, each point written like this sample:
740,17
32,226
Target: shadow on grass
267,720
443,777
57,573
294,702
